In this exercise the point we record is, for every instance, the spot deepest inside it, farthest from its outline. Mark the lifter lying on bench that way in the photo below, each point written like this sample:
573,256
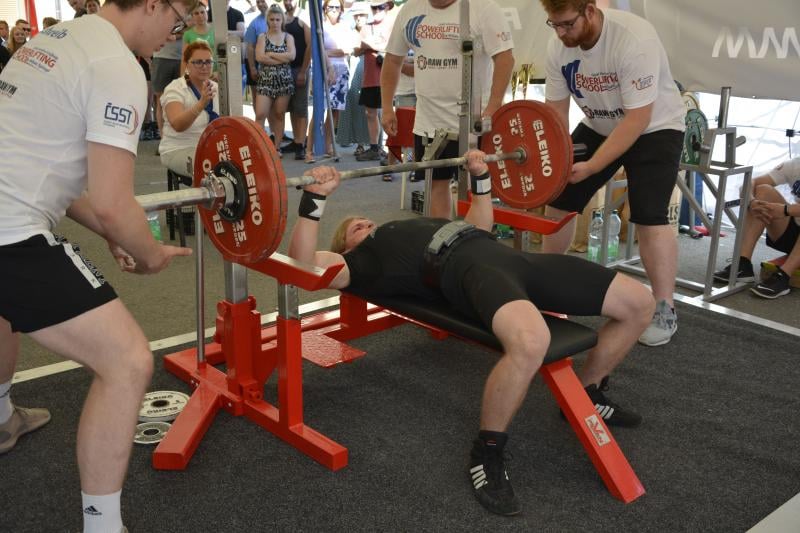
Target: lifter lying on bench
430,259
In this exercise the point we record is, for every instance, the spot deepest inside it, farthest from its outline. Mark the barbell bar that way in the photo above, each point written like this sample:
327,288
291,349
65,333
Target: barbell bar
242,190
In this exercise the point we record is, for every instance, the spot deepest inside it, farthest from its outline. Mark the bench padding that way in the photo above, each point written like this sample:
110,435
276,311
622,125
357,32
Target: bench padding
567,338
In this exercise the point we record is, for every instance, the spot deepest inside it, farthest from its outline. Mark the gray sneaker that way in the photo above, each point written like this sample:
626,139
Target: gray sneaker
22,421
663,326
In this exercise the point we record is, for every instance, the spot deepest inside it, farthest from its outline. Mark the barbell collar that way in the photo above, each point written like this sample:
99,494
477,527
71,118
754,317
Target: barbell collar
519,155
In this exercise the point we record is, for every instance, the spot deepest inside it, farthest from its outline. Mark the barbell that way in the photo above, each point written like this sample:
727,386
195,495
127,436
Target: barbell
240,186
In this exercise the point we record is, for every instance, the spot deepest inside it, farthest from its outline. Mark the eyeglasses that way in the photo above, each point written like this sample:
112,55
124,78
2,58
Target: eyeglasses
566,25
202,62
381,7
182,22
26,30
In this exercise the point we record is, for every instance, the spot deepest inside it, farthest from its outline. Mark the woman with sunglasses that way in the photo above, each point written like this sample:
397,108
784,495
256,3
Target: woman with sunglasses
189,104
275,52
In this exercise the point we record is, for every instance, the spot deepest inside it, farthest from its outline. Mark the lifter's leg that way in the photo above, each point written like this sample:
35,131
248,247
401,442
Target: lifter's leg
109,342
628,305
558,242
525,337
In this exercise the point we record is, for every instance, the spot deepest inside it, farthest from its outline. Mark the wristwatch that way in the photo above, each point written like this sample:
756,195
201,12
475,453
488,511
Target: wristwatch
786,210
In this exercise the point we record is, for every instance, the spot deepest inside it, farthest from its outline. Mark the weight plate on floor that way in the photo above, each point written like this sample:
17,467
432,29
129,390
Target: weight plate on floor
151,432
162,406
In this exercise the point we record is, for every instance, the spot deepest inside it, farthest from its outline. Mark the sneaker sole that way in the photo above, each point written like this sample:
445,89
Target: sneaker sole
770,296
743,279
658,343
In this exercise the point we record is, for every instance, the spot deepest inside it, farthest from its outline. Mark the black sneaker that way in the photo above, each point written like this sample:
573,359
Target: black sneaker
289,147
774,286
489,479
299,152
745,273
611,413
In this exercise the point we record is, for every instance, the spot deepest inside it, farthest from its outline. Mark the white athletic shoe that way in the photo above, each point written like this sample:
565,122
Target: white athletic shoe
662,327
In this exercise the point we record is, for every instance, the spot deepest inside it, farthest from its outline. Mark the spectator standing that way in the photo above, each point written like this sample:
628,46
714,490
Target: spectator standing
165,67
353,120
431,29
17,40
298,103
200,30
3,33
275,51
374,37
79,7
257,26
92,6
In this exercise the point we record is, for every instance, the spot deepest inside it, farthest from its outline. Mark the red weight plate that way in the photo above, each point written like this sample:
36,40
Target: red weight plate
543,175
240,141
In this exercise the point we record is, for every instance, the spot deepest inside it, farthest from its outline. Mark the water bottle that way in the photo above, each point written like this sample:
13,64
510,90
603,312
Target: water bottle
614,225
155,225
595,236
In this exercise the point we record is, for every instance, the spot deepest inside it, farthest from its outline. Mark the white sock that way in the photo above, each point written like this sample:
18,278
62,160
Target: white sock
6,409
101,514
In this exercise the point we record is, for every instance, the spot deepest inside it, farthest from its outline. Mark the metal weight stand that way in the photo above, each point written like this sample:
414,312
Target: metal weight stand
706,167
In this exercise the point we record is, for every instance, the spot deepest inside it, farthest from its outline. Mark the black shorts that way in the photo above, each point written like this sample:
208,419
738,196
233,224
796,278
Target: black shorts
788,240
651,165
44,281
482,275
370,97
450,150
251,80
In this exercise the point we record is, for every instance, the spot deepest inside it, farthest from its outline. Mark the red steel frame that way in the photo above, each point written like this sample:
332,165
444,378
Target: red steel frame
251,354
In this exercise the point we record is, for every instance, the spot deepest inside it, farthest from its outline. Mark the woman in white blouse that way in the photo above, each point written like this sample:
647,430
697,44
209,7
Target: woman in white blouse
189,104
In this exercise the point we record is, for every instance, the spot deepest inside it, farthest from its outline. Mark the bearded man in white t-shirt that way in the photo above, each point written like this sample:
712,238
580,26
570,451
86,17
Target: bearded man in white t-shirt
431,29
613,65
75,156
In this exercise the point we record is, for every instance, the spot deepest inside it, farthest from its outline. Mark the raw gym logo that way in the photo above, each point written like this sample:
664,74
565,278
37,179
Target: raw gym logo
770,45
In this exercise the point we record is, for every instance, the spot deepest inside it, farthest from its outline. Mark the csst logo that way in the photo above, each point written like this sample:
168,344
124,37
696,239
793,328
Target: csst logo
121,117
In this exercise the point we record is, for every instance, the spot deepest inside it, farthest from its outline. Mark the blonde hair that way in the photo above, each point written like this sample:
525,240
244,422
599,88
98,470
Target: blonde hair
339,240
275,8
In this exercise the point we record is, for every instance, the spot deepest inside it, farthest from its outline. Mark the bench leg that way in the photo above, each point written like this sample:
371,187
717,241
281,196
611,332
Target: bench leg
608,459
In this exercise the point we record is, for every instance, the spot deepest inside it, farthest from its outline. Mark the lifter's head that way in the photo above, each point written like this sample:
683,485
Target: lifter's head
576,22
350,232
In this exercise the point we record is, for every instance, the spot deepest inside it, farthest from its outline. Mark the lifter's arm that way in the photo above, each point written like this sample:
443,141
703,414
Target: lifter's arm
480,212
305,235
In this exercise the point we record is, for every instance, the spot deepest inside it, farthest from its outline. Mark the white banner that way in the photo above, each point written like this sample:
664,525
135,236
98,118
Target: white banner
530,33
753,47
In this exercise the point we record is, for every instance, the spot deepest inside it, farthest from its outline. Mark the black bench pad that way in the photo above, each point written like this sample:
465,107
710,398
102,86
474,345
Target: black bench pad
567,338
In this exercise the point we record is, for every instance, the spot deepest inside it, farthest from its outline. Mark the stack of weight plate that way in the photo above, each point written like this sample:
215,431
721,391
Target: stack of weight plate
159,408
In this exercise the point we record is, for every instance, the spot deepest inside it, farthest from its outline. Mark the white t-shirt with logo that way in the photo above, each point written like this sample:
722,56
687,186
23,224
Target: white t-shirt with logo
626,69
433,35
73,83
788,173
178,91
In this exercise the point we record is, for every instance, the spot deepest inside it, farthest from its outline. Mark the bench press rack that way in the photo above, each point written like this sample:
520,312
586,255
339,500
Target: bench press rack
251,354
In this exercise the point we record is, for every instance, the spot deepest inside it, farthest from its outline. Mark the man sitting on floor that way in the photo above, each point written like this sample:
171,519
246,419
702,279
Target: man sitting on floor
503,288
769,210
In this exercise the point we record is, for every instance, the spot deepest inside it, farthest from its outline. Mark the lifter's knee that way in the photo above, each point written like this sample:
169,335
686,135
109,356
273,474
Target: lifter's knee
628,300
523,333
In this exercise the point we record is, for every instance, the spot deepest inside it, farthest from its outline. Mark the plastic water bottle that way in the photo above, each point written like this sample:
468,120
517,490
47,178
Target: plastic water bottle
595,236
155,225
614,225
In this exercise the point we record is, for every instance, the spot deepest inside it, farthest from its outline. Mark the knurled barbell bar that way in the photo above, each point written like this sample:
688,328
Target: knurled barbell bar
240,185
